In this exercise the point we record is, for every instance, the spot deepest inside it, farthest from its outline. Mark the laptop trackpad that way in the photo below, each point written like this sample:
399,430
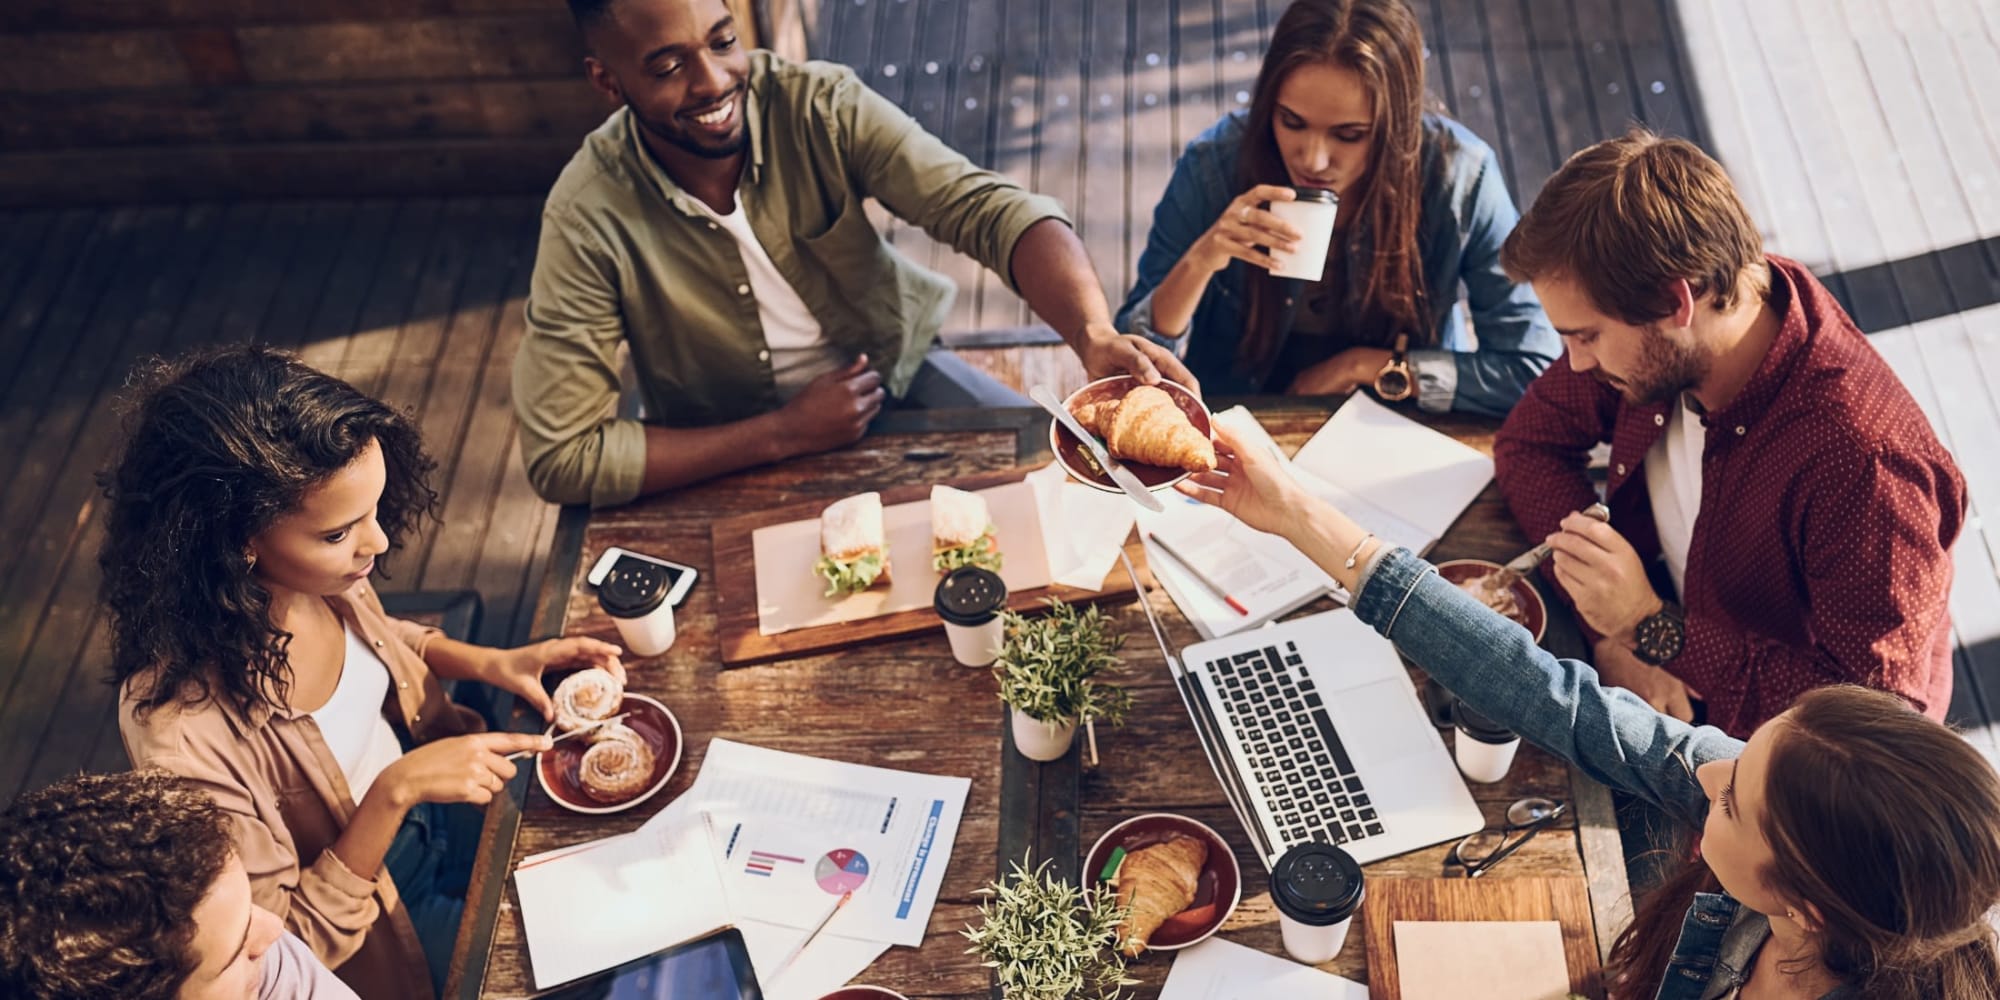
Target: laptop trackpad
1380,722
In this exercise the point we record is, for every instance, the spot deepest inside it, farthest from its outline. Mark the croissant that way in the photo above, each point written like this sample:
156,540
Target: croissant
1095,416
1150,427
616,765
585,697
1155,883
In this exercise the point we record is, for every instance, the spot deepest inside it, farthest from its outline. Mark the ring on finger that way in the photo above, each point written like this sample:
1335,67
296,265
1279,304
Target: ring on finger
1244,216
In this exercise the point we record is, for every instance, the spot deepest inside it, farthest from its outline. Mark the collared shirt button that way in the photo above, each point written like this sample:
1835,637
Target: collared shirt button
1621,468
419,717
378,644
763,355
1659,420
1741,430
711,227
742,289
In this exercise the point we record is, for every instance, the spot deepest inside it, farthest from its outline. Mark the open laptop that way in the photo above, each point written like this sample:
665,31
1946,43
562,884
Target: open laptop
1316,733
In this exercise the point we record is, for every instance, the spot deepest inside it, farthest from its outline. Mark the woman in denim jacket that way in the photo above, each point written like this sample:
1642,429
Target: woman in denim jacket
1854,847
1339,106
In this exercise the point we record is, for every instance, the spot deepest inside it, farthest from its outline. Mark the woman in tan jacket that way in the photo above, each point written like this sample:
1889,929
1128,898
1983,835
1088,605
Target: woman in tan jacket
254,499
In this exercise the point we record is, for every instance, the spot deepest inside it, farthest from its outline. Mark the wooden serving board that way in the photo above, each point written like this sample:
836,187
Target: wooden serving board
737,624
1564,899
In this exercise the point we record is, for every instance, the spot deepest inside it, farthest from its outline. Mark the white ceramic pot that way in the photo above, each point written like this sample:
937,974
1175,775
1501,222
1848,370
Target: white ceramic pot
1038,740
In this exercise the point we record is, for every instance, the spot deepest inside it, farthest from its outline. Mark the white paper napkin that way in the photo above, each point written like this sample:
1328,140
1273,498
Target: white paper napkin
1082,528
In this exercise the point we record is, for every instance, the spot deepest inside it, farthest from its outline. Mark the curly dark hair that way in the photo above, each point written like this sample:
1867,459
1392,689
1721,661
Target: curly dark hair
218,445
99,879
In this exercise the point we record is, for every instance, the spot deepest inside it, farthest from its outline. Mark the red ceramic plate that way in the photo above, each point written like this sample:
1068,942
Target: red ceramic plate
1534,614
1075,458
1215,896
557,768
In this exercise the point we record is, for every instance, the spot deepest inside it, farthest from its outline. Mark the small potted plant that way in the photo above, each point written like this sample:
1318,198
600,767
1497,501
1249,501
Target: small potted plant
1048,670
1046,939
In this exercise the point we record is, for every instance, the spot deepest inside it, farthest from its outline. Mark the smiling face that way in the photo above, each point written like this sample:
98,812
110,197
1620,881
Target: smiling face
1732,840
1324,124
231,936
1646,364
329,542
681,69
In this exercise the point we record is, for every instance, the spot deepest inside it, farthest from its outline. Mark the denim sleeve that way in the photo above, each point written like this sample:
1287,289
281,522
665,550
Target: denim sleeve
1494,665
1516,340
1186,209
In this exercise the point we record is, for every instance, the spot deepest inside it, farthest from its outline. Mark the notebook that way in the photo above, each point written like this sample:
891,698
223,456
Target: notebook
1395,477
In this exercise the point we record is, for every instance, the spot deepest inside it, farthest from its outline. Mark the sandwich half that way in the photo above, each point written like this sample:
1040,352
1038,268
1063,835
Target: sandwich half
961,531
854,553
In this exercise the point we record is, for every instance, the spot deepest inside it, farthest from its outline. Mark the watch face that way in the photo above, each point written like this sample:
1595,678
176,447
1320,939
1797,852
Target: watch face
1659,639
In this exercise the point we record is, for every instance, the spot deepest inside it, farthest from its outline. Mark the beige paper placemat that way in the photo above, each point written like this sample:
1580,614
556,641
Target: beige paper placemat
1491,960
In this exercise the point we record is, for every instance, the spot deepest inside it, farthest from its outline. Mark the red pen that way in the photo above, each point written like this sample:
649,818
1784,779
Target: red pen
1220,594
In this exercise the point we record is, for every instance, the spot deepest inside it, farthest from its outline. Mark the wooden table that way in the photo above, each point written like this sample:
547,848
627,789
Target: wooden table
906,703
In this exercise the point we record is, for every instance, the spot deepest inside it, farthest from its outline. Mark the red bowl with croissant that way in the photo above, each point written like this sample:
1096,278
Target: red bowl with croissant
1159,870
1518,601
1094,404
561,768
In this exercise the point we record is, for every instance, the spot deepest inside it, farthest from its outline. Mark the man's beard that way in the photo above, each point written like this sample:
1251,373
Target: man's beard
675,135
1666,369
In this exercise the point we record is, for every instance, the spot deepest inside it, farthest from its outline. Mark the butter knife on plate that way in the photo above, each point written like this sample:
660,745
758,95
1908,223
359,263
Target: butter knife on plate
1119,474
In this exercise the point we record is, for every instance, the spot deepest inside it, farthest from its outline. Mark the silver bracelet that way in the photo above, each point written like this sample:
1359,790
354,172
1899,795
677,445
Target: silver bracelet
1356,554
1398,613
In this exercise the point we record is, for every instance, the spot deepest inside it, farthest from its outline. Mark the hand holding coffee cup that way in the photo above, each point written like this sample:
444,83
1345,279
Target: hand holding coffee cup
1244,230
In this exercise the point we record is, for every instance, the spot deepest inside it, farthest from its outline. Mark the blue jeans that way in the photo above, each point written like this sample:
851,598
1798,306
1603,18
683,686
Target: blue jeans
431,862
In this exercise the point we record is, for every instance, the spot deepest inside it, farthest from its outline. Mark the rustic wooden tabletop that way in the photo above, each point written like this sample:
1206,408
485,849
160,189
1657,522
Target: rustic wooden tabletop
906,703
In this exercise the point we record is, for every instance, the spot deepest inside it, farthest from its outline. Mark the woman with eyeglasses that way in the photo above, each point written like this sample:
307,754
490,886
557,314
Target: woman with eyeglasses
1850,848
1339,106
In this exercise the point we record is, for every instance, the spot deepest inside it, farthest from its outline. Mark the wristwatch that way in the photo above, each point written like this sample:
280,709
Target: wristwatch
1394,382
1659,636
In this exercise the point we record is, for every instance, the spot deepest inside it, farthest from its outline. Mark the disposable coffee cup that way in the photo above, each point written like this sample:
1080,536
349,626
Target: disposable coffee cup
1312,215
970,599
634,594
1484,748
1316,888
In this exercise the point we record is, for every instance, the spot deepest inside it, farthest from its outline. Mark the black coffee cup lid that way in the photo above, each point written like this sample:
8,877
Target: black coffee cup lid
633,589
970,595
1479,727
1315,194
1317,884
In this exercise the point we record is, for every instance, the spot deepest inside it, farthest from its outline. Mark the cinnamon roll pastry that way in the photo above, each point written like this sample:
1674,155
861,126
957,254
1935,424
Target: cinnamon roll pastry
587,696
617,765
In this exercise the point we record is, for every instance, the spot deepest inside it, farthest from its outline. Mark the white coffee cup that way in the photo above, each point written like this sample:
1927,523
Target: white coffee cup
969,599
1312,214
1316,889
1484,748
634,594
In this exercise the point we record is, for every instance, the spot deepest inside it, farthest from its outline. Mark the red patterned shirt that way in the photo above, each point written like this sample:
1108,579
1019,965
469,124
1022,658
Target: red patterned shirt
1828,509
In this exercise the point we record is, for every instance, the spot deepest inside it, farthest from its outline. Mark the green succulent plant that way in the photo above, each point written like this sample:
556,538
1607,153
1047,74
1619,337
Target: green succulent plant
1049,666
1046,939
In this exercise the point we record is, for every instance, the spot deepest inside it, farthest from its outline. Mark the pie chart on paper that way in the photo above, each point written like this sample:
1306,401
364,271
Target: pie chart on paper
840,871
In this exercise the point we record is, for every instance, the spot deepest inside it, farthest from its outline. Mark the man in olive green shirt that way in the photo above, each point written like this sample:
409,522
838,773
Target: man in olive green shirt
715,225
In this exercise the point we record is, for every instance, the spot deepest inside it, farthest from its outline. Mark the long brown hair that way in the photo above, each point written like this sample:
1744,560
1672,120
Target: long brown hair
1378,40
1886,823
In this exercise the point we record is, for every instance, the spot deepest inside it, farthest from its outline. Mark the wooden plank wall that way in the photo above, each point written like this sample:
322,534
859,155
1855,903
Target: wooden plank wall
107,101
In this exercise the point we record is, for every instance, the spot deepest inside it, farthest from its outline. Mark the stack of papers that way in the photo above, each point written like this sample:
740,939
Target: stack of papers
766,841
1393,476
1221,970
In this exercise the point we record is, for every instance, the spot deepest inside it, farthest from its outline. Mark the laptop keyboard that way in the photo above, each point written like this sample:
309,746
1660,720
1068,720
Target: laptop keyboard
1295,759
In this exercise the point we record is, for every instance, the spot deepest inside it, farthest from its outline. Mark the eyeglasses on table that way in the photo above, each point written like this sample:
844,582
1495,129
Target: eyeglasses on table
1477,854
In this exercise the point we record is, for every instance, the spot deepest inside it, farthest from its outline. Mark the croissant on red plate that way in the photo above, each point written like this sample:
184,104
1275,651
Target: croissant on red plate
1150,427
1155,883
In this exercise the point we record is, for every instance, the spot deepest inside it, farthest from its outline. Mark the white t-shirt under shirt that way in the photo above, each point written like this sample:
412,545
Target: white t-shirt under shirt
1673,483
351,721
799,349
292,973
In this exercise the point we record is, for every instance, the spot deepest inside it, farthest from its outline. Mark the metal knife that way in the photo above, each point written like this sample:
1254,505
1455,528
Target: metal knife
1119,474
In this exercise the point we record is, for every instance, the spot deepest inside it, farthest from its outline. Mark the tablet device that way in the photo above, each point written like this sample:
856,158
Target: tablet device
716,967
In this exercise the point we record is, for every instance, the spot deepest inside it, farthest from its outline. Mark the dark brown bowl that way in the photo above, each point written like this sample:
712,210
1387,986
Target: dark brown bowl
1215,895
557,768
1075,458
1534,614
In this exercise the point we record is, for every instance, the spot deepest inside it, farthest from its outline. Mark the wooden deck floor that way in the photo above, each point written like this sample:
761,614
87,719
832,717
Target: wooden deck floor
419,300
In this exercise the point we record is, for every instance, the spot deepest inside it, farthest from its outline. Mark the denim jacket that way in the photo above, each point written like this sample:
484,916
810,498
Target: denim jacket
1467,214
1611,734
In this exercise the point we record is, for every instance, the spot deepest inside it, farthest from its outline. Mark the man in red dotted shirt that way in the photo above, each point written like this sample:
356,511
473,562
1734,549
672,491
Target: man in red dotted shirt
1782,512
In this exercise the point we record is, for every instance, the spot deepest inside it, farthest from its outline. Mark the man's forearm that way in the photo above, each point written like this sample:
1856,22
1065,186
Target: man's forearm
683,456
1055,276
